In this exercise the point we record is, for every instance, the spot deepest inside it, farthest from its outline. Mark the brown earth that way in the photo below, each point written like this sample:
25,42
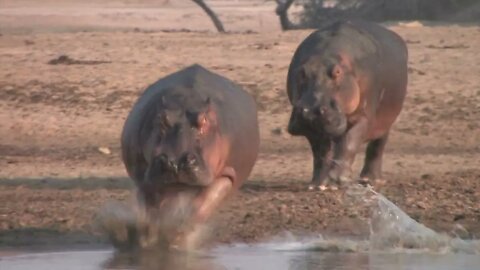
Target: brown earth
61,116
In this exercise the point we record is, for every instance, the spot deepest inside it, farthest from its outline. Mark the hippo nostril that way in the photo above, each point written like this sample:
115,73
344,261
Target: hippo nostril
322,111
163,158
166,163
333,104
162,161
191,160
173,166
188,161
306,113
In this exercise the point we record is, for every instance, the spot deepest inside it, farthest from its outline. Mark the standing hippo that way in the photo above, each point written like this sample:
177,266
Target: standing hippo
347,83
191,130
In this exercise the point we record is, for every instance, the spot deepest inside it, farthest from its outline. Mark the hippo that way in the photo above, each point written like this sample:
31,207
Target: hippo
191,130
347,83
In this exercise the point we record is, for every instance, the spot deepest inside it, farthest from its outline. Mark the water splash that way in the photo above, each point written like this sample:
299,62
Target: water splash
391,228
320,244
131,226
391,231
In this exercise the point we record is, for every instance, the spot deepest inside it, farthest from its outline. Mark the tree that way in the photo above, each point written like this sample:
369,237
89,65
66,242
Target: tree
315,13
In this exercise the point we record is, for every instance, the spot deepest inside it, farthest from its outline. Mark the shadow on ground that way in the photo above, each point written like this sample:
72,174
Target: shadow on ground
43,239
109,183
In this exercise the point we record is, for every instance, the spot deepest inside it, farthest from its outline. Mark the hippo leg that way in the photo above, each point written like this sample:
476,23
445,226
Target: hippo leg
345,150
212,197
372,168
321,149
205,204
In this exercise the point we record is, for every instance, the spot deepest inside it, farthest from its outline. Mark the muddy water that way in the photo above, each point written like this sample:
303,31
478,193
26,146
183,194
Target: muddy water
241,257
396,241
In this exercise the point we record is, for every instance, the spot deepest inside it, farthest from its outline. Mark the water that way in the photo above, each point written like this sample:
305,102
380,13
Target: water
239,258
396,241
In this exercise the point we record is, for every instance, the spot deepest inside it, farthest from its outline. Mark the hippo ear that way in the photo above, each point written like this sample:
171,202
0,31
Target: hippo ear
208,108
336,72
207,118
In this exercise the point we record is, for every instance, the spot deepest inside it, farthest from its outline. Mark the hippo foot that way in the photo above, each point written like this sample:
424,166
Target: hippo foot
343,180
339,176
333,182
189,240
181,243
322,187
366,181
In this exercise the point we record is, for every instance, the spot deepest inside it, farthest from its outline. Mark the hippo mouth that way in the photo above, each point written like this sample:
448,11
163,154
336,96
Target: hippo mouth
171,193
314,119
160,194
161,173
334,126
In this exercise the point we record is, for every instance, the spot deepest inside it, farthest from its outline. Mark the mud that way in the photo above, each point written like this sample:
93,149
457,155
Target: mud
57,120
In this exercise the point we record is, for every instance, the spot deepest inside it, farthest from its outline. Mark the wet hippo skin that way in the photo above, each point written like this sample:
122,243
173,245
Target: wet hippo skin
191,130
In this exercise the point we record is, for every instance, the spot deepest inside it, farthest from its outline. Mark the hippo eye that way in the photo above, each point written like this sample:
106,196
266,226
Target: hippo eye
335,72
162,130
163,120
202,123
162,123
333,104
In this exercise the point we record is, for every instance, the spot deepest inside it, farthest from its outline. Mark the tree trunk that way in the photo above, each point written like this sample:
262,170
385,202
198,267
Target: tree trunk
218,24
282,12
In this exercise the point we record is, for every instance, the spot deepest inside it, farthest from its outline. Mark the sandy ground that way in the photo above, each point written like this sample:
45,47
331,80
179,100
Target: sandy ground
54,118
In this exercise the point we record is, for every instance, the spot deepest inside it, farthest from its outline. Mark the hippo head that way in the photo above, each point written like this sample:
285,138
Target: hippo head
179,140
326,93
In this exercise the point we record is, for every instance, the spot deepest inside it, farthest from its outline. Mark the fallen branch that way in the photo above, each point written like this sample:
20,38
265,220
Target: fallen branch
218,24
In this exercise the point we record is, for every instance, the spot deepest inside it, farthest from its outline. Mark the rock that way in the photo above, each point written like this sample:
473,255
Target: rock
459,217
104,150
411,24
422,205
276,131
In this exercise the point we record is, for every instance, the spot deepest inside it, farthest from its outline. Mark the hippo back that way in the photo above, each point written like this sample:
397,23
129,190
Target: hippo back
375,52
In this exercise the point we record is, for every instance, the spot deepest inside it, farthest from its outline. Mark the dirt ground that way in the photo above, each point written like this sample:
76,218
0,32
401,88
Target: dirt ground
60,123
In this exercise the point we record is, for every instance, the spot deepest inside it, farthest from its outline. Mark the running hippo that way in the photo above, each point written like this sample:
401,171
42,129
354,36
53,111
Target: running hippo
347,83
191,130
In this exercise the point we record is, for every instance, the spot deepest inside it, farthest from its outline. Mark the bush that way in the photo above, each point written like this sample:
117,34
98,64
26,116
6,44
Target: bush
316,11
